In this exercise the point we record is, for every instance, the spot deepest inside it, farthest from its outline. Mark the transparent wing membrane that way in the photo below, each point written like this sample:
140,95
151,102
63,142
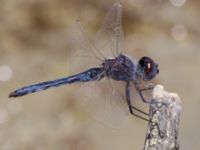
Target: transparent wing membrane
109,42
110,38
83,54
104,102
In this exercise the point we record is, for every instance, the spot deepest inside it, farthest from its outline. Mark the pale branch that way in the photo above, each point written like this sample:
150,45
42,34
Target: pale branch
162,131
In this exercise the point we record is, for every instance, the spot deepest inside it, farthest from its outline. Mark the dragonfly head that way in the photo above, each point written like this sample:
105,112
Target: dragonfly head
147,69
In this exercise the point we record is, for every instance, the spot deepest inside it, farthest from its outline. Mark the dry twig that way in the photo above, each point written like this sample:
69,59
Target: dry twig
162,132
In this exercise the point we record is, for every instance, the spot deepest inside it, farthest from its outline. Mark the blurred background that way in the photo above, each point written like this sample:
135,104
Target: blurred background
34,47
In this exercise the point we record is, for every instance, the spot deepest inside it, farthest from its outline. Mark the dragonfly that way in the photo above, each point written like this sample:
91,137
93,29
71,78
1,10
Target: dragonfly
107,87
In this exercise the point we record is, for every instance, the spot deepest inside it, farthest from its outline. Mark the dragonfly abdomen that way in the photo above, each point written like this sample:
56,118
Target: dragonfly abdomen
89,75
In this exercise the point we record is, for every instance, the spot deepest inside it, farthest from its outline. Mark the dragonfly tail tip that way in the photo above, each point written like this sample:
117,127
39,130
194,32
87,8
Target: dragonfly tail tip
13,94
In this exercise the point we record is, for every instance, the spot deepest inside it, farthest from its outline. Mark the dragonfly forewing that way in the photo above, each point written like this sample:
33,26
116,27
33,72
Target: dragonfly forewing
83,54
110,37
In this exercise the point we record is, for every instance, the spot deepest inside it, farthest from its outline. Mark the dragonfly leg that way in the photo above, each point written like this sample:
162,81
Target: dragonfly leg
131,108
148,87
145,113
141,90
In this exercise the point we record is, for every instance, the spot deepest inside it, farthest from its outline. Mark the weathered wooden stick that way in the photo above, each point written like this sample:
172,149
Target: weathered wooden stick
162,131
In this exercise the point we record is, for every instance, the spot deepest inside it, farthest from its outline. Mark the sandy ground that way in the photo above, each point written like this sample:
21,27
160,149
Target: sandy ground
35,46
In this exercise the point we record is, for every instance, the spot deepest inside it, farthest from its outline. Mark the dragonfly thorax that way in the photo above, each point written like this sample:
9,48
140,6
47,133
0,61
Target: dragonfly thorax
120,68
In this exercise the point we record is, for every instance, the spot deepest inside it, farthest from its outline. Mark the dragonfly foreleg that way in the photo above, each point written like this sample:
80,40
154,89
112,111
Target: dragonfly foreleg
148,87
141,90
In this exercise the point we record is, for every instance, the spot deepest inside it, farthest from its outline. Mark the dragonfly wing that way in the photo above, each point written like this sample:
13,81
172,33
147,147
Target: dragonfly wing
105,103
83,54
109,42
110,38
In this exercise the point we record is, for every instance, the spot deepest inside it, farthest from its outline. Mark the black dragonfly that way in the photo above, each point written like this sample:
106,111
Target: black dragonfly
104,83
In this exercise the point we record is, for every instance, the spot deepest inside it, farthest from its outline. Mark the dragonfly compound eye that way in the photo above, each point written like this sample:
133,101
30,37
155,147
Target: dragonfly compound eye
148,67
